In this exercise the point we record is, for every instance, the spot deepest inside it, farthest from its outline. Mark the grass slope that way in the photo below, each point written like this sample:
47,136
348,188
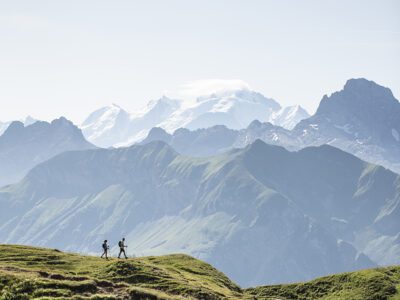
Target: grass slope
38,273
373,284
27,272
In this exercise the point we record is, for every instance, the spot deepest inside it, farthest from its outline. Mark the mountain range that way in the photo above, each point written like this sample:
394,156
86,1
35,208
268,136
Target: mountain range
27,121
362,119
236,109
289,210
23,147
260,214
113,126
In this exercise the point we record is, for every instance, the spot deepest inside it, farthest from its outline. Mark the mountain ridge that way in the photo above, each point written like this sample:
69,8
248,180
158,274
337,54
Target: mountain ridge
32,272
214,208
28,120
23,147
371,133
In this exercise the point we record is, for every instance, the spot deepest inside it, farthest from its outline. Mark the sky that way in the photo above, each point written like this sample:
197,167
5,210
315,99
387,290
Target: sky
68,58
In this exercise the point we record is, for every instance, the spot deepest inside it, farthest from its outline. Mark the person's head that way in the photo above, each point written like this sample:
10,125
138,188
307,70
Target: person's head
123,239
105,241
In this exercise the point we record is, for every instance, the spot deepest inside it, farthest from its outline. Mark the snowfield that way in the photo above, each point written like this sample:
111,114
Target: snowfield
235,108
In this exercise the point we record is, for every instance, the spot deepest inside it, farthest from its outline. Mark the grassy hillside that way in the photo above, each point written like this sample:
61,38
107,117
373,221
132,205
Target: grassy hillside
28,272
373,284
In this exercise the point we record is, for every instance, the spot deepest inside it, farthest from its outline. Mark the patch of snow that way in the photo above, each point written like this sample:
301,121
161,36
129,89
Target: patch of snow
384,250
359,142
289,117
331,141
253,222
395,135
346,128
339,220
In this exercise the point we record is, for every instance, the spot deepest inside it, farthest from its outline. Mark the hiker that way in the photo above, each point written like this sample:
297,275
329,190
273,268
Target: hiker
105,249
121,245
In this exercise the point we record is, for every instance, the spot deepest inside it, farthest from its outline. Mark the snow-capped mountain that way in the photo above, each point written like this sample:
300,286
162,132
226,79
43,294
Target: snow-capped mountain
106,126
362,119
23,147
235,108
27,121
113,126
288,117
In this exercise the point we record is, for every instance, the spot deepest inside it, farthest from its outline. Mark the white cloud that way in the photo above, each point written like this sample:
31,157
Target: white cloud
203,87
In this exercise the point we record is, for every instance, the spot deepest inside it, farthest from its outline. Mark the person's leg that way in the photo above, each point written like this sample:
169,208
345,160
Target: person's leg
102,255
120,251
125,254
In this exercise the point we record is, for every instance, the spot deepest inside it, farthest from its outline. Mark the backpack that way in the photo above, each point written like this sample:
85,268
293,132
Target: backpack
105,246
120,244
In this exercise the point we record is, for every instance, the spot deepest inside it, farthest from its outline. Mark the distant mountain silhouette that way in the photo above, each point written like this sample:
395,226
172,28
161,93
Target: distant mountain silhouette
200,142
21,148
27,121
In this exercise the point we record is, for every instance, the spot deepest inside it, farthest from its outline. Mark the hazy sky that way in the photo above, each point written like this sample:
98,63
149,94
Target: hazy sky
71,57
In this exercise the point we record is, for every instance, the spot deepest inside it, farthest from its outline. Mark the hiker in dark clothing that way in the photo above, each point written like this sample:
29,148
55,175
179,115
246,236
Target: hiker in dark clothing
121,245
105,249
